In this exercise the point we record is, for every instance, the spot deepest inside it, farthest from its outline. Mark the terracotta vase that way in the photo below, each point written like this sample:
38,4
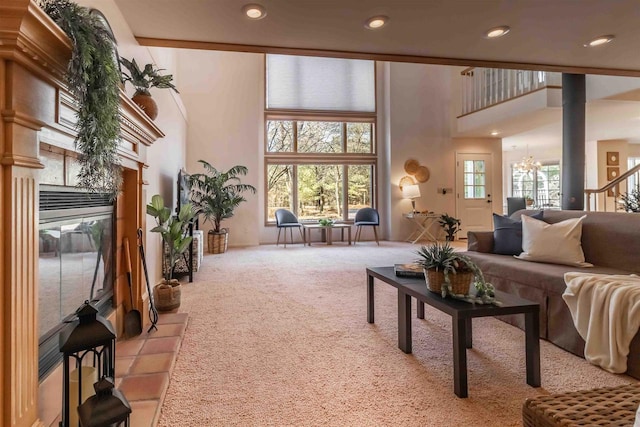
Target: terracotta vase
147,103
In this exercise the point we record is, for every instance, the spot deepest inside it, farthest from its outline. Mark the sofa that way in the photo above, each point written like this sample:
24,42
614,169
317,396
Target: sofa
610,241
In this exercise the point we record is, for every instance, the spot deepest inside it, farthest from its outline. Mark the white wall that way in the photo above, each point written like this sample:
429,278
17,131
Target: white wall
224,94
420,128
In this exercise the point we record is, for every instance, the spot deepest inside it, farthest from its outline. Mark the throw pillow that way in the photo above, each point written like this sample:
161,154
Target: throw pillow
507,234
558,243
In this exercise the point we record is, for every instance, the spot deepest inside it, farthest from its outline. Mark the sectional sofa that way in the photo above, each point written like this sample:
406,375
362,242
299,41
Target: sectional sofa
610,241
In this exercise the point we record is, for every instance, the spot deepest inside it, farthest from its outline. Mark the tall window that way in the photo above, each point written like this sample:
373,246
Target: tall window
633,181
320,157
542,185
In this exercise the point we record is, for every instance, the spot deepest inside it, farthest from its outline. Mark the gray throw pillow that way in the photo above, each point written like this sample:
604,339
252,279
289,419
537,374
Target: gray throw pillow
507,234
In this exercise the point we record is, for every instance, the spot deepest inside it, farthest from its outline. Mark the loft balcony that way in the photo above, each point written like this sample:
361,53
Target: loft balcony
512,100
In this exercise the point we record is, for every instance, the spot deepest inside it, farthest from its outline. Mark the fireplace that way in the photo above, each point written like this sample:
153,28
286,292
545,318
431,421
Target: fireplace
75,263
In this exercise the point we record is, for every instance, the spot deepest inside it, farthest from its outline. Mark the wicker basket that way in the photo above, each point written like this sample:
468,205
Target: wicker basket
166,295
217,242
460,281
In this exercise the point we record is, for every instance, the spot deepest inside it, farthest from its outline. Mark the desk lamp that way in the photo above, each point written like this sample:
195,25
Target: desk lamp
411,192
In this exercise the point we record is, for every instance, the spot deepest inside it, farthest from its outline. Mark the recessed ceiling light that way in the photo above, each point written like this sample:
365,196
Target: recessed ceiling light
497,32
600,41
376,22
495,133
254,11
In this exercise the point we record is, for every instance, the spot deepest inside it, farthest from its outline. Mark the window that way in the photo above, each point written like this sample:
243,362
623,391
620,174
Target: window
633,182
474,179
541,185
319,169
320,156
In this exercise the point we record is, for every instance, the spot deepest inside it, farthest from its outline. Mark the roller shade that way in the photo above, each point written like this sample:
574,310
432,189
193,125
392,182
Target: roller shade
325,84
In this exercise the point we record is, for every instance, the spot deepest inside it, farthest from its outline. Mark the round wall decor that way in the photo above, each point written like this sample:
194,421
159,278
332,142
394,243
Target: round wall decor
411,166
422,175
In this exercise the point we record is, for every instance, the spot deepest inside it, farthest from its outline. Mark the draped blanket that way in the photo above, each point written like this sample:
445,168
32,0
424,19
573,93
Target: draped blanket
606,312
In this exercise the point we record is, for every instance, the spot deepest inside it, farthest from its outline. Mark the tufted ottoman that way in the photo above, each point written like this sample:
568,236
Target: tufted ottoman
612,406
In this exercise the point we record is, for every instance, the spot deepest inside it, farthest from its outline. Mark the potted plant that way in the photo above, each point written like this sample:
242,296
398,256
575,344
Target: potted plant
450,273
450,225
93,77
528,200
175,242
215,194
142,81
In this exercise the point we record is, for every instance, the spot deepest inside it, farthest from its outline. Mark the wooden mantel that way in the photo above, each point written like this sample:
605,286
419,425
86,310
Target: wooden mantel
36,110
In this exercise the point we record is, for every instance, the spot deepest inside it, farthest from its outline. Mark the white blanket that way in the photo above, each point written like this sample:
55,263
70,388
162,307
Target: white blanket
606,312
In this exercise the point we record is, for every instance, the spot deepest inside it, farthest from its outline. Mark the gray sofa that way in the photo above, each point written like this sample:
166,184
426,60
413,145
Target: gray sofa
610,241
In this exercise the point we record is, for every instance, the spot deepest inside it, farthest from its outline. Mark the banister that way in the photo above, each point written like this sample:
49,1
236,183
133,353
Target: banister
611,185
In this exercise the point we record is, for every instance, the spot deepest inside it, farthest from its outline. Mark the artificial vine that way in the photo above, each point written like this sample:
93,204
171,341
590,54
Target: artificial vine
93,77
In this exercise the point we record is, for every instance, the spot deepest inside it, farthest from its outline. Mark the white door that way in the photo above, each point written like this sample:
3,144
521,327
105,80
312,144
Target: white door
473,192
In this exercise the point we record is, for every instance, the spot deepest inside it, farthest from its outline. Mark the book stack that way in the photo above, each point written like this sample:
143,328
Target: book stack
408,270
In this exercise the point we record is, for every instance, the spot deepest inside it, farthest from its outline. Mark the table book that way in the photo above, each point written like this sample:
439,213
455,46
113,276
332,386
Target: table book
408,270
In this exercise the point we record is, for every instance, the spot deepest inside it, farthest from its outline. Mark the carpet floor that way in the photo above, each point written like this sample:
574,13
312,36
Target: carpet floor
279,337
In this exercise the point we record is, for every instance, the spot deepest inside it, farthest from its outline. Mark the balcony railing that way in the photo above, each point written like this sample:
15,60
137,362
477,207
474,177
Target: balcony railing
484,87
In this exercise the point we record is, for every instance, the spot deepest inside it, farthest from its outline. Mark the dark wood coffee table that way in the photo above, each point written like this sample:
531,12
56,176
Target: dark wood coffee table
461,313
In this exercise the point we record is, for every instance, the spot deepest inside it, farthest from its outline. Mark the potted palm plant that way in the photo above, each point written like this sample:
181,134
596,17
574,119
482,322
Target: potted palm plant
215,194
173,230
143,80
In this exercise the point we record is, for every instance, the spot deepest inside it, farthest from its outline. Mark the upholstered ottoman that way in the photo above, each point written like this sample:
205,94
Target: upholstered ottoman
612,406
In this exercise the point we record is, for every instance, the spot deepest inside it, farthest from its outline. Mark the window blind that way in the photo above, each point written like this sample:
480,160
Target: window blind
325,84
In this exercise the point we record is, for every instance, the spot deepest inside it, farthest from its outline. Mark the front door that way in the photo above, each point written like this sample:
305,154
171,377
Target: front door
473,192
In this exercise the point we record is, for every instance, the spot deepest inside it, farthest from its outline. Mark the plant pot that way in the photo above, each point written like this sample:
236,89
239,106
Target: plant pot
460,282
147,103
217,242
166,295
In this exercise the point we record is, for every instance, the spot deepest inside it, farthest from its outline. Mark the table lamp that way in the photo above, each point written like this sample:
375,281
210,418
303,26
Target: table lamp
411,192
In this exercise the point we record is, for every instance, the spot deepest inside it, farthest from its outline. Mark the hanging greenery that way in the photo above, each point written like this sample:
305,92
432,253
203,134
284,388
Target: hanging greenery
93,77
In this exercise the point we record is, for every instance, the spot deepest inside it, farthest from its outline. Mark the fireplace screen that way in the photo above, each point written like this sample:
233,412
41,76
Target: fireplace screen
75,263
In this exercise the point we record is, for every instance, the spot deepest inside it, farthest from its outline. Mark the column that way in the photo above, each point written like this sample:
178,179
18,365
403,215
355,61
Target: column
573,140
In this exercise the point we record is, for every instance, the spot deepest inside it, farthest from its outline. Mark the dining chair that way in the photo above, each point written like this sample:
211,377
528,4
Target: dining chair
287,220
366,217
515,204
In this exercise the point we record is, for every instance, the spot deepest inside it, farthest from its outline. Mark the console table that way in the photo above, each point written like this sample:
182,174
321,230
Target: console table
461,313
422,223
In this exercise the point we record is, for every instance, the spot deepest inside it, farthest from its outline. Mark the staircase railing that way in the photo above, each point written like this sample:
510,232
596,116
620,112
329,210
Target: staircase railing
614,186
484,87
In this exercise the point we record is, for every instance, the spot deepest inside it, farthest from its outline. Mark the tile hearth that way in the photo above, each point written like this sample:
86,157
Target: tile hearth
144,365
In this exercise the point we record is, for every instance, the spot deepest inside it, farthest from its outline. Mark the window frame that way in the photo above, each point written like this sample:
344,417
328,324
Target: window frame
344,158
534,183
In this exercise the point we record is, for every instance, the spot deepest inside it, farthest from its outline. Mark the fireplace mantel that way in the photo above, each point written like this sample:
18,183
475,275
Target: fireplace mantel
36,111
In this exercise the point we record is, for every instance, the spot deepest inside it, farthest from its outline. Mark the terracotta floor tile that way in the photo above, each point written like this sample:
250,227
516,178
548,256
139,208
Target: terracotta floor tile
123,364
169,330
161,345
165,318
144,387
144,413
128,347
151,363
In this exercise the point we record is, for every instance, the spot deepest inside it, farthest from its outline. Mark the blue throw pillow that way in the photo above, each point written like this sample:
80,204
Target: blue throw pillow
507,234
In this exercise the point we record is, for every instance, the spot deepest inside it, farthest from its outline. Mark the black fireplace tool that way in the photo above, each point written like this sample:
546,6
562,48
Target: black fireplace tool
153,313
133,318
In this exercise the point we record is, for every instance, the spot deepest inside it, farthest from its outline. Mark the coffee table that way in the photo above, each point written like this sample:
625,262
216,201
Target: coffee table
461,313
328,228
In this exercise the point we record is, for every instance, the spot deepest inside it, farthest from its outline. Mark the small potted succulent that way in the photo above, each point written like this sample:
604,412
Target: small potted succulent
143,80
326,222
450,273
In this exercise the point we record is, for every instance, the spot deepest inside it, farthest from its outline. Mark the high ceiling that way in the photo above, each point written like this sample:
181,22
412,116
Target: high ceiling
545,34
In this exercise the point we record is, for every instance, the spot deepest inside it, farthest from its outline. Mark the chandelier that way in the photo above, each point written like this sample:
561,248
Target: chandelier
528,164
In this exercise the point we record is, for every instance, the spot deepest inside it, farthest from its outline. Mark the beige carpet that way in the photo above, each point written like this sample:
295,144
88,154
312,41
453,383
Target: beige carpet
278,337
